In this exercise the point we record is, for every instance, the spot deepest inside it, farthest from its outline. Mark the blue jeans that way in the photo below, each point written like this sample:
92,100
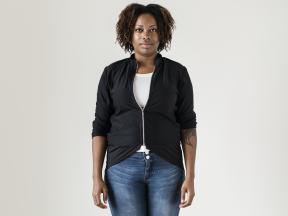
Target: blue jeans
144,185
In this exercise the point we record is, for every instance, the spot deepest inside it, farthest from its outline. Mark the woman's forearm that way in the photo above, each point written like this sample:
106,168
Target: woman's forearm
99,146
189,144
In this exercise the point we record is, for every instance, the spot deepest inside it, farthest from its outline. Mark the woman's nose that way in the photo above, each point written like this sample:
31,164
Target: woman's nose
146,34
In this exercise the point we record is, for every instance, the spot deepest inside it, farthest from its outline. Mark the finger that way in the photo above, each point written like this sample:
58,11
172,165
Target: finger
105,196
183,192
98,200
183,201
188,200
183,205
102,205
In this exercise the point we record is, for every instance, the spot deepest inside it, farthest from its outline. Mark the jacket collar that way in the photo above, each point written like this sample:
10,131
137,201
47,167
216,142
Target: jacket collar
133,67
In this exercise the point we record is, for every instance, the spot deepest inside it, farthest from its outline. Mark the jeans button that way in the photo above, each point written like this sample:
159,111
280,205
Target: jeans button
147,156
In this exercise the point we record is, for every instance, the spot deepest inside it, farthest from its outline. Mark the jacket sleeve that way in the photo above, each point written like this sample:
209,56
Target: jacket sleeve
101,123
185,114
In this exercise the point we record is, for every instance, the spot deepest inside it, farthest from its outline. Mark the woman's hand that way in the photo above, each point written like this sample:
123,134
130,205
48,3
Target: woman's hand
187,187
99,187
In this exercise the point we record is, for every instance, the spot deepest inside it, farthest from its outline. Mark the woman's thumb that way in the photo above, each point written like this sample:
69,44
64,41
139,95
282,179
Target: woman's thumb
105,195
183,191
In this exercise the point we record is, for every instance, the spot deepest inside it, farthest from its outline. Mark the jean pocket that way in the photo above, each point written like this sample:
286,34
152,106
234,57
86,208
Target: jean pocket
114,166
167,163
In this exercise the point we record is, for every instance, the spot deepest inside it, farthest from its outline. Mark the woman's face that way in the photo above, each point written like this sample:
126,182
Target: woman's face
145,38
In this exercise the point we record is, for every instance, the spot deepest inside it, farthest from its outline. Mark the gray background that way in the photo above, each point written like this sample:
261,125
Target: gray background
52,55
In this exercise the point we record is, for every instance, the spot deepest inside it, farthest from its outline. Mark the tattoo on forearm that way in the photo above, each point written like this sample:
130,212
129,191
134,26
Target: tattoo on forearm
188,136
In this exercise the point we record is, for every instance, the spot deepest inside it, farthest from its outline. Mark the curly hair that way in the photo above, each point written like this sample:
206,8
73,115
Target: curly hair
128,18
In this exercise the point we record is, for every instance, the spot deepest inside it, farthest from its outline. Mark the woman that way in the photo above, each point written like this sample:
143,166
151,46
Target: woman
144,110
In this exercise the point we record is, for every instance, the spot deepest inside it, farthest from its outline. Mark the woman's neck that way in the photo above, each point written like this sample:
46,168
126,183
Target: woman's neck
145,61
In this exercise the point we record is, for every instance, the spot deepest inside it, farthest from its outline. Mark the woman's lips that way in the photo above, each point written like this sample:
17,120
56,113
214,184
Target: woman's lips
146,45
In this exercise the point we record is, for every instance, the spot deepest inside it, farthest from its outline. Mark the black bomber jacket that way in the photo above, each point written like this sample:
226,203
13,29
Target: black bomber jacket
126,125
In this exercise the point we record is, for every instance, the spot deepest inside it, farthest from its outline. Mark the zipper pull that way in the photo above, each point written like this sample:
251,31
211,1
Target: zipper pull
146,150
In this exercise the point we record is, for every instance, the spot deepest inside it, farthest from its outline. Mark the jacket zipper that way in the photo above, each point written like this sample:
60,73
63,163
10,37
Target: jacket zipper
142,109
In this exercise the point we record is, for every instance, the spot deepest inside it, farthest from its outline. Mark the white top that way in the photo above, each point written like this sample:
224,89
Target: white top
141,89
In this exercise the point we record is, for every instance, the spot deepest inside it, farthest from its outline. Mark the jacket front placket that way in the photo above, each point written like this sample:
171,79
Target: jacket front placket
135,67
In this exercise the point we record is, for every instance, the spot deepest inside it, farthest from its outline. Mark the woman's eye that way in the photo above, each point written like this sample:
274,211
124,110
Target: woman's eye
154,29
